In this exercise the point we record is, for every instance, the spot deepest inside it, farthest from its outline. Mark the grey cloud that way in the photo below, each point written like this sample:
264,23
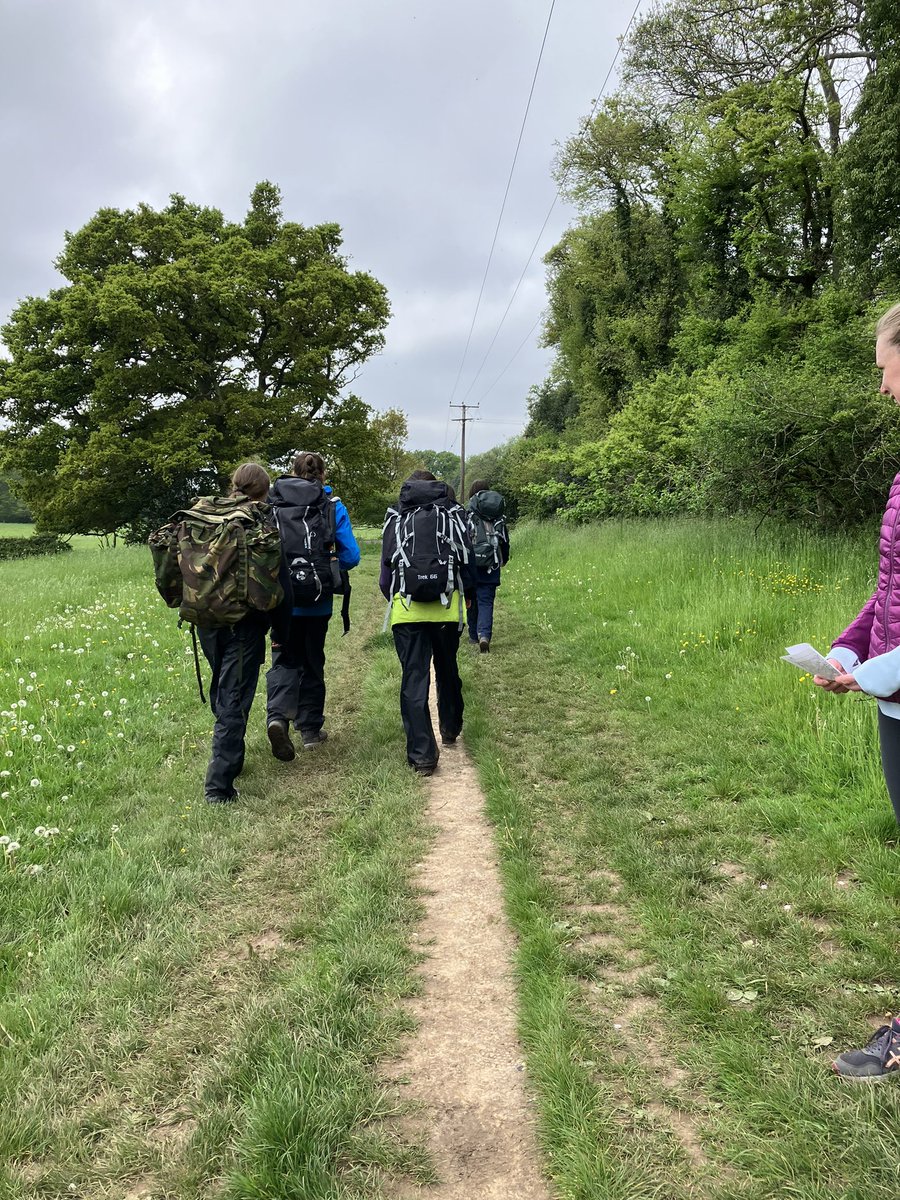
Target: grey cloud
396,120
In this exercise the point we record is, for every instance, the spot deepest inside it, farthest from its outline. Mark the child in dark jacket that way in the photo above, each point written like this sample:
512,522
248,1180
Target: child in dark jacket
426,632
480,600
296,680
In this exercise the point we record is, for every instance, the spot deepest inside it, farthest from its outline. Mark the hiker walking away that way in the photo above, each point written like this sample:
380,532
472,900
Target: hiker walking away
219,563
867,654
319,550
490,552
425,568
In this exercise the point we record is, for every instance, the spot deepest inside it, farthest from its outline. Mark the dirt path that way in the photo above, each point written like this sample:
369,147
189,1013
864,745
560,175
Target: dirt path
465,1066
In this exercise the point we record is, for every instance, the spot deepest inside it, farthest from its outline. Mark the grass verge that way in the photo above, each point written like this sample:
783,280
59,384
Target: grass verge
699,861
193,998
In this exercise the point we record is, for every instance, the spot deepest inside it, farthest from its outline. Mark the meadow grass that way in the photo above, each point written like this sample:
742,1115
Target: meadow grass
700,860
192,997
698,857
15,529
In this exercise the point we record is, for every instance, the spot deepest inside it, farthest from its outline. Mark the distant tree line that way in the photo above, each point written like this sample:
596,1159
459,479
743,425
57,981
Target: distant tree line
712,309
12,511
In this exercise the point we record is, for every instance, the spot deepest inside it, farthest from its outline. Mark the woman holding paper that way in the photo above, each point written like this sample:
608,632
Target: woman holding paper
867,653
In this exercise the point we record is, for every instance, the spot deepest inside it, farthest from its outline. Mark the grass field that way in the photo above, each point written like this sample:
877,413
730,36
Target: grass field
698,857
700,861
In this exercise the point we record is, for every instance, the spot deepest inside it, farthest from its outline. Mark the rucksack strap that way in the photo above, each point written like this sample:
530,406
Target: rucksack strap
197,662
345,604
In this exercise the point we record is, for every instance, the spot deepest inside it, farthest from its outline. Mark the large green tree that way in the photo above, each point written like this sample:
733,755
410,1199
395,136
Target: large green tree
180,344
869,162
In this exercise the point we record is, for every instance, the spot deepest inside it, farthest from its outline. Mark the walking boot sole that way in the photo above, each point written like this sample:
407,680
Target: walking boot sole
280,741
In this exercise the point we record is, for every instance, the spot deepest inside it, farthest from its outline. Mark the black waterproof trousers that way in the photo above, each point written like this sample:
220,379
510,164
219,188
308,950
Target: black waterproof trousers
418,643
295,683
235,656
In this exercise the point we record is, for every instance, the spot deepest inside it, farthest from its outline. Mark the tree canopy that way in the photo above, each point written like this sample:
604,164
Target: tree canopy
180,344
712,307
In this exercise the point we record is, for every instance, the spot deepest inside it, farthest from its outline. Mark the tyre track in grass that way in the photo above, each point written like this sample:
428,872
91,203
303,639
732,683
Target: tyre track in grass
465,1065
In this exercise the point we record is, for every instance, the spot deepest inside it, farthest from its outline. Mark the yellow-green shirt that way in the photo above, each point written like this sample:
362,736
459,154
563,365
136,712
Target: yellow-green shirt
431,610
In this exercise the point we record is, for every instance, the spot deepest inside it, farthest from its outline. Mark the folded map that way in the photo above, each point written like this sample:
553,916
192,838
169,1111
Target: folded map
807,658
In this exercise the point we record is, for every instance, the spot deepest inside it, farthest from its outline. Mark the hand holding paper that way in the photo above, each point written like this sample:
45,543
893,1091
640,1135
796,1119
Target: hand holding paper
807,658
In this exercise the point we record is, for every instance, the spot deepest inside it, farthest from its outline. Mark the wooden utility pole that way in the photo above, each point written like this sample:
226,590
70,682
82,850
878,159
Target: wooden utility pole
463,420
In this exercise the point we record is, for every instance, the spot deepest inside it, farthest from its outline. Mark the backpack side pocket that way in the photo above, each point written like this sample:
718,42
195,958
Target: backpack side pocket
163,545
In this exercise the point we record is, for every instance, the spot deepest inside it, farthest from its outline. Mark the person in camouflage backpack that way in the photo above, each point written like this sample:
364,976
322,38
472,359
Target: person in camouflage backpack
235,653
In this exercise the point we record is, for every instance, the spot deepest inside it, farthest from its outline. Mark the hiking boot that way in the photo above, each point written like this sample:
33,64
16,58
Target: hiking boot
219,798
424,768
280,740
484,645
448,739
313,738
879,1057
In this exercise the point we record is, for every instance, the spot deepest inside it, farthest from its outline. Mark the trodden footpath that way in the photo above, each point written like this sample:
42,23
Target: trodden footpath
464,1065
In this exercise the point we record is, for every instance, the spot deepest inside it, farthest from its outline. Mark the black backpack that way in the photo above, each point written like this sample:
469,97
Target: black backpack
305,515
424,542
487,529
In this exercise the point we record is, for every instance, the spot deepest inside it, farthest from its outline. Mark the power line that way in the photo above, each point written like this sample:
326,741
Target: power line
621,42
505,198
511,299
513,358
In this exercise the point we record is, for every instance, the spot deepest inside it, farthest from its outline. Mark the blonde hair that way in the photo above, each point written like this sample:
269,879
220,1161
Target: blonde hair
889,324
250,480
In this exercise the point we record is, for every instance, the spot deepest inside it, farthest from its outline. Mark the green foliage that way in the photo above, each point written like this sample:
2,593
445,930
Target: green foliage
713,308
30,547
11,509
871,216
614,289
180,344
708,823
443,464
786,438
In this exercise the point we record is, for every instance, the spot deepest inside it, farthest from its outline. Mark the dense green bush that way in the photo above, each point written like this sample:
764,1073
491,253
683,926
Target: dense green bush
38,543
774,412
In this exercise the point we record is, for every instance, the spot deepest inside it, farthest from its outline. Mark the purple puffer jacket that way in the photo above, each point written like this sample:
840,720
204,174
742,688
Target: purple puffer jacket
877,628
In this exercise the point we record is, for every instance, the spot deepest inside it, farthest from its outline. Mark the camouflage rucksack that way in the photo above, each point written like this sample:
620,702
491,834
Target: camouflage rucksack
218,561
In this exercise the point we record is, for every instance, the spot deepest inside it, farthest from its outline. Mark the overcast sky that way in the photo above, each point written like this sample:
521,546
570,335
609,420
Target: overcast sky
396,119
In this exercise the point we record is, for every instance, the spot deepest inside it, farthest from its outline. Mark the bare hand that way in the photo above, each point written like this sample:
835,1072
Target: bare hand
843,683
848,683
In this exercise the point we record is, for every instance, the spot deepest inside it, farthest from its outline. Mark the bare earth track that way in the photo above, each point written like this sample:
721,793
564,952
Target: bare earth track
465,1064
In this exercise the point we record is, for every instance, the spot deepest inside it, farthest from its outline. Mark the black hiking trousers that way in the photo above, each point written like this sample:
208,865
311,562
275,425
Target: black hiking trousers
418,643
235,656
295,683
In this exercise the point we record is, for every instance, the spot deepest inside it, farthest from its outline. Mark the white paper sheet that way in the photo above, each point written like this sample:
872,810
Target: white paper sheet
807,658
